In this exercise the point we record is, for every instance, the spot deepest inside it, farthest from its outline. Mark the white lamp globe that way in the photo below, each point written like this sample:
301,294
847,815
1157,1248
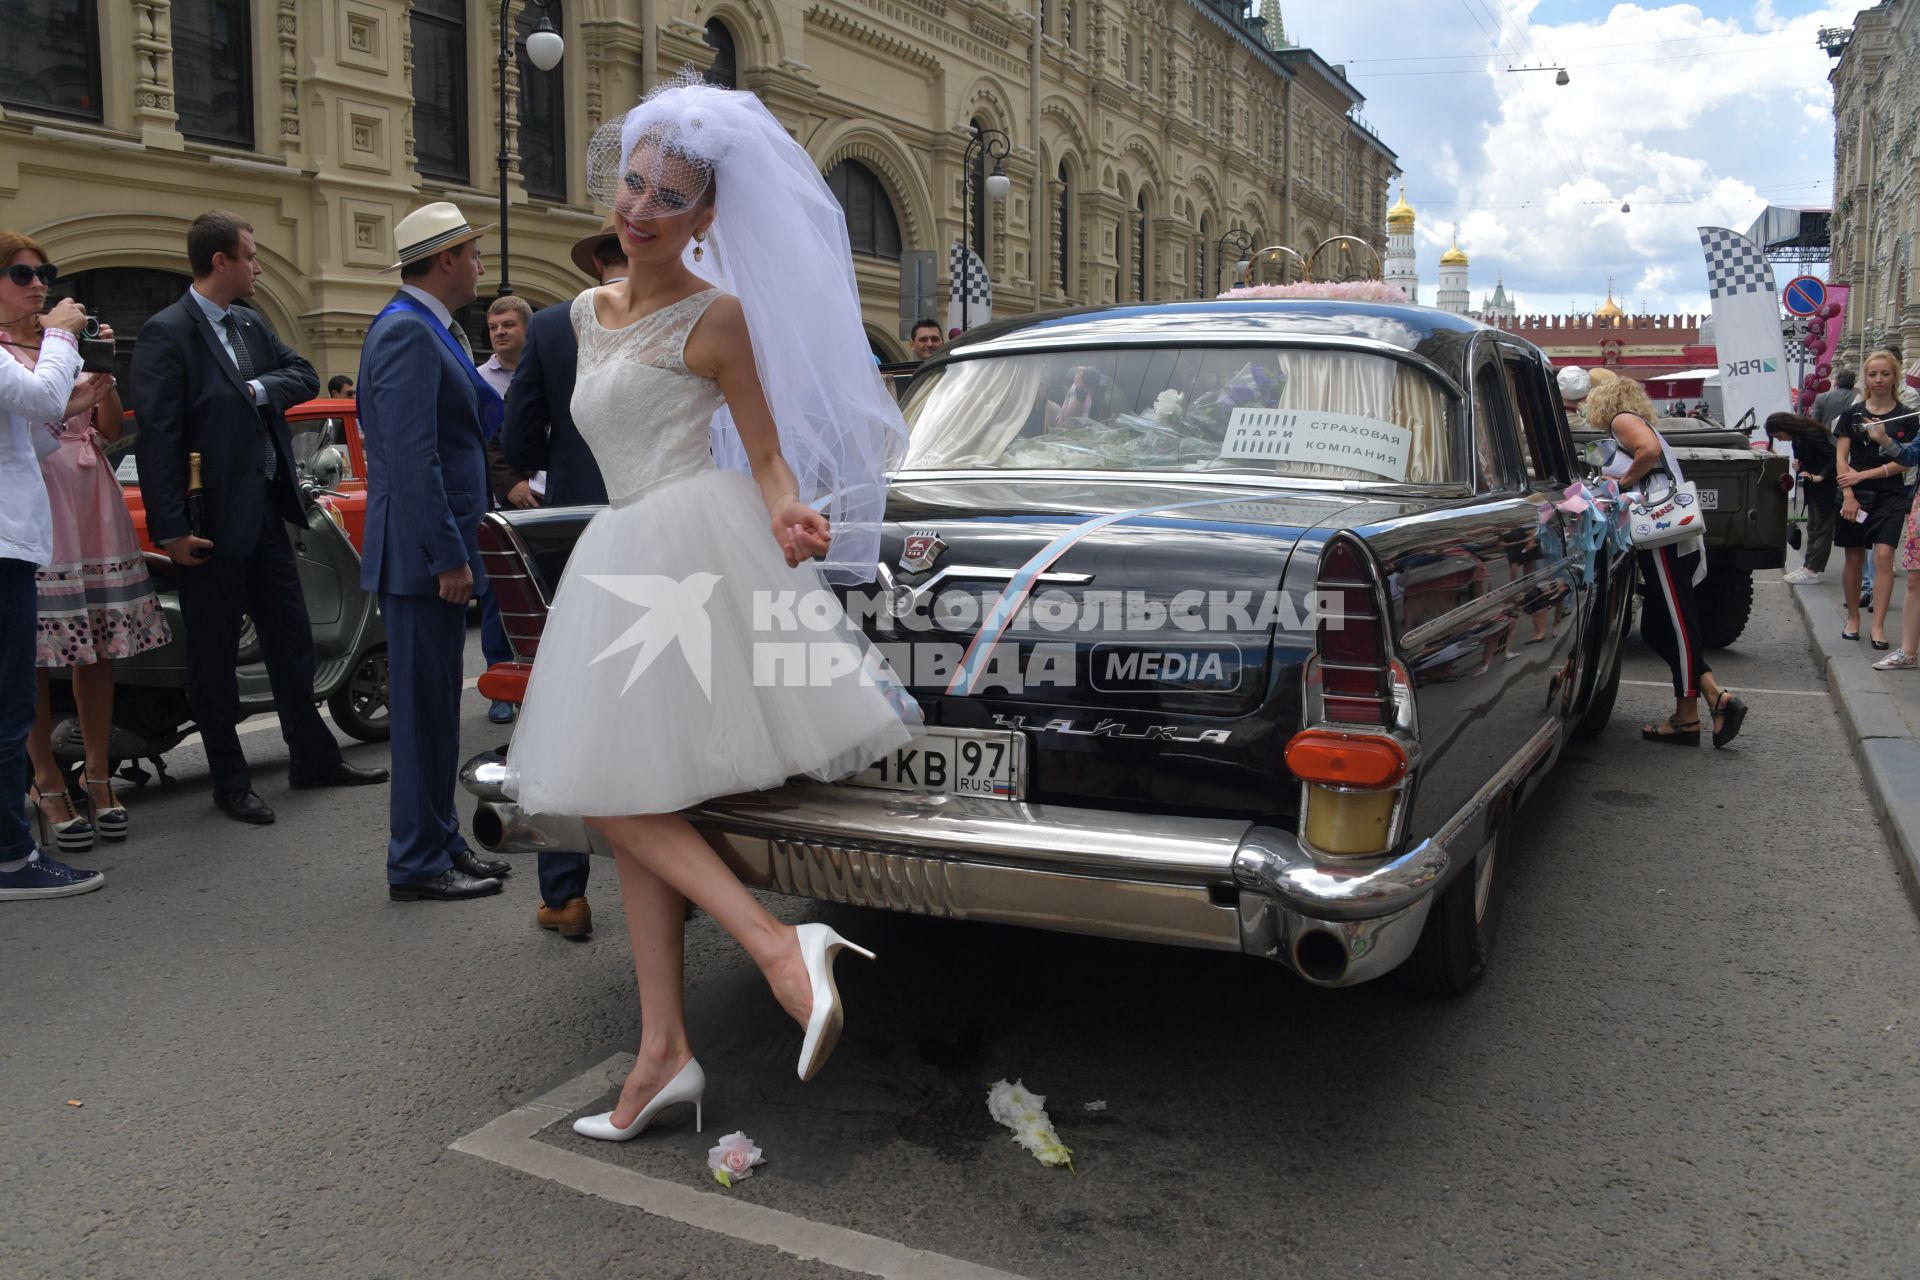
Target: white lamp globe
544,49
998,185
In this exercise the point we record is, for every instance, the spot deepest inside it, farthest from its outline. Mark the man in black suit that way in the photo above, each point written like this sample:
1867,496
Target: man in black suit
211,377
539,435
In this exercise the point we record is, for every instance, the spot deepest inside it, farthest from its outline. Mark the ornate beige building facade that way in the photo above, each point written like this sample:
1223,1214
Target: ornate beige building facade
1141,132
1876,177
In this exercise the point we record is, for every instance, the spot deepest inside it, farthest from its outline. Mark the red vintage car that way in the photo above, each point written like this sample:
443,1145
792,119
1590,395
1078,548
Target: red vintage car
326,450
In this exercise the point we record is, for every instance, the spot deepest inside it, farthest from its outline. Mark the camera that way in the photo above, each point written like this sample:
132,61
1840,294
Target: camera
96,352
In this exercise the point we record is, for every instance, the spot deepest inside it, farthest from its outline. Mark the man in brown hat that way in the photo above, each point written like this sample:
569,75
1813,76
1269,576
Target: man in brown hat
540,439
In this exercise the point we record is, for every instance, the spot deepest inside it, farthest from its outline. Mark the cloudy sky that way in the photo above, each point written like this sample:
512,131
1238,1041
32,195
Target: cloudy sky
1694,114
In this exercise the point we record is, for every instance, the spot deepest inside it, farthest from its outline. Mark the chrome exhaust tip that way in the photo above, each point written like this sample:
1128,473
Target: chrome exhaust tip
1320,957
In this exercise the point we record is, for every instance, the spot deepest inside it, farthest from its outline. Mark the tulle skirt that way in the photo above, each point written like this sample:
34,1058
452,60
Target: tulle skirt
683,659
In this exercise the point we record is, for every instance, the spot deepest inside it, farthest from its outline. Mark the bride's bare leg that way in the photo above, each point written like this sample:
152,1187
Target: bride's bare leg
656,928
666,848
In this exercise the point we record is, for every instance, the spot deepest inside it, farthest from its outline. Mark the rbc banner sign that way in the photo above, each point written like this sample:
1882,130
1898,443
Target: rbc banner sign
1746,329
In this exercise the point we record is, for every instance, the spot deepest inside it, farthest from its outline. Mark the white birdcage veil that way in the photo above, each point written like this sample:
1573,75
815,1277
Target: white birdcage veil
779,244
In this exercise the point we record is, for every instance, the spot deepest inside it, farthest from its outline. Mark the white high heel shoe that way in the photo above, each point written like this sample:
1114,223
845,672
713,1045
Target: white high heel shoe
818,943
688,1086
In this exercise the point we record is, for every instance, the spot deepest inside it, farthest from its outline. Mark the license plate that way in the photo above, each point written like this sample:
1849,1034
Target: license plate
1709,499
958,762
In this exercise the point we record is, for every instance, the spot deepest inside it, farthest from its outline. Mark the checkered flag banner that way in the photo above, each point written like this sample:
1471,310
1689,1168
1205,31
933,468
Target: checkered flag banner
967,277
1735,264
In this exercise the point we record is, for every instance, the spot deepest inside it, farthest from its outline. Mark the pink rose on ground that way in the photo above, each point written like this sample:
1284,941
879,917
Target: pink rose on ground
734,1156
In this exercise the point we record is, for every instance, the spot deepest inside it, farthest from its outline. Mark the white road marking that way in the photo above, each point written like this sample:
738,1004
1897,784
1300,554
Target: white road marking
1790,693
510,1141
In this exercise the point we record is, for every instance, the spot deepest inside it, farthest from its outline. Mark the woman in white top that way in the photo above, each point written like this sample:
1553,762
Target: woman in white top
31,397
1670,621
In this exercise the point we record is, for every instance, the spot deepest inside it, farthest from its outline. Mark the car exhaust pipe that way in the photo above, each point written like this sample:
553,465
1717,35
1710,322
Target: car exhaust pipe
1320,956
501,827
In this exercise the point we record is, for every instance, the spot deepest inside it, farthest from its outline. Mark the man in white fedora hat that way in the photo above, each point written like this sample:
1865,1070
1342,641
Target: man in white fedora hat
424,415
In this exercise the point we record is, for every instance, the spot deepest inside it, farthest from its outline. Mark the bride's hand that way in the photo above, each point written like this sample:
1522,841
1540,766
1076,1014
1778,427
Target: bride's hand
802,532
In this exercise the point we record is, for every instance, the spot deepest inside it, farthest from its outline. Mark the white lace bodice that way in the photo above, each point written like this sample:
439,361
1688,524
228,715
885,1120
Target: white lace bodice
645,417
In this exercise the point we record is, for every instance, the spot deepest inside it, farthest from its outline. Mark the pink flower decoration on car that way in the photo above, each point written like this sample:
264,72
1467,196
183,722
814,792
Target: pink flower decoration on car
733,1158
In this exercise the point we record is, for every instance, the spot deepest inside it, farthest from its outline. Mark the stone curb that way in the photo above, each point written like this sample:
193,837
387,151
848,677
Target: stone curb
1882,740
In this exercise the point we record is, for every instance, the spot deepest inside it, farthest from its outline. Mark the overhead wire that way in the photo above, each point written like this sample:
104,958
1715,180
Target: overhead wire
1577,66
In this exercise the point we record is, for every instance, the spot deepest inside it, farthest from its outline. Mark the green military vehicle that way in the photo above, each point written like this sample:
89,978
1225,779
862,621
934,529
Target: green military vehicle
1745,497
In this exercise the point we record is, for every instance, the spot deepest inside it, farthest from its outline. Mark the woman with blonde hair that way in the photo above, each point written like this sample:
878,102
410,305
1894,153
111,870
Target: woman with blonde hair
1874,494
1669,618
1883,436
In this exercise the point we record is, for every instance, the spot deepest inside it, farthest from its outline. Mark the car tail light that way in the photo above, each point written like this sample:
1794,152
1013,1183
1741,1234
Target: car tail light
1351,642
1363,761
1351,758
523,609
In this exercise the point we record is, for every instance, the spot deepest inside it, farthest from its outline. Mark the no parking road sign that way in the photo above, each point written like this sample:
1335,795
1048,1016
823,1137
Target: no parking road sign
1803,295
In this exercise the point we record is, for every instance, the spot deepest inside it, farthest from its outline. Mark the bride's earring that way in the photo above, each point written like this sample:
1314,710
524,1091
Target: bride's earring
698,252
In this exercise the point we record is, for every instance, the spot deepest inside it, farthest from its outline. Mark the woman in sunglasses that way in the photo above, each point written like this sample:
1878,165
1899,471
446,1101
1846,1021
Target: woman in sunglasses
95,600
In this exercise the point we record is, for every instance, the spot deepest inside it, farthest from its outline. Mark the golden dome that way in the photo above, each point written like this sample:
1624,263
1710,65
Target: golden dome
1400,217
1454,257
1608,310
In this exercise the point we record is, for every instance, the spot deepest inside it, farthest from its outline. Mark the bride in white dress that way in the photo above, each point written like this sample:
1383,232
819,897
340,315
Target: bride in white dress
667,672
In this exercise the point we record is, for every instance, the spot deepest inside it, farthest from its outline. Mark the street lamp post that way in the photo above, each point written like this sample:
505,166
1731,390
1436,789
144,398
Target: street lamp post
544,49
1241,240
994,145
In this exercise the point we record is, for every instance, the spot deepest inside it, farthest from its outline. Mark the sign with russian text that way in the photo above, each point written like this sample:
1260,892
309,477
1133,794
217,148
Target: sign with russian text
1308,435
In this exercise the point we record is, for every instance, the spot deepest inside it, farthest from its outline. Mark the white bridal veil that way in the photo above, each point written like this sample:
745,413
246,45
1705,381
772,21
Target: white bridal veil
779,244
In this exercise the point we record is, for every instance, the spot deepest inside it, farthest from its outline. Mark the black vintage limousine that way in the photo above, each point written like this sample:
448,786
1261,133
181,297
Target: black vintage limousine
1244,625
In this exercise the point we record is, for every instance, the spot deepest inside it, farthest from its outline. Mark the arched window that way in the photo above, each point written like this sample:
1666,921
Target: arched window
128,297
1140,247
1063,230
543,118
725,68
871,223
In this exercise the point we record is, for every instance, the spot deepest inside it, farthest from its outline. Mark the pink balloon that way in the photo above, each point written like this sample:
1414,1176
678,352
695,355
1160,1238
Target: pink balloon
1822,369
1821,384
1817,342
1828,310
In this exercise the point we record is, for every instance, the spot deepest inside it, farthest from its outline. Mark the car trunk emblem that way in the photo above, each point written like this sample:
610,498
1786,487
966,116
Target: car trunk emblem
920,551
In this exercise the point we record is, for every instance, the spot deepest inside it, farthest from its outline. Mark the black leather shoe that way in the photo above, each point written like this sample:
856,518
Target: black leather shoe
469,863
243,806
341,775
448,886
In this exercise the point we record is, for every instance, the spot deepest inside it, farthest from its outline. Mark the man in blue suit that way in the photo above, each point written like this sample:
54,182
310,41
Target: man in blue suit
423,413
540,436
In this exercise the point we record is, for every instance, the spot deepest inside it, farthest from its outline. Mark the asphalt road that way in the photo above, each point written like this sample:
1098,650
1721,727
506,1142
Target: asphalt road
1696,1056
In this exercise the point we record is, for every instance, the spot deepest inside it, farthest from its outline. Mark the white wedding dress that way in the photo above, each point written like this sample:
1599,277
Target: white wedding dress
669,671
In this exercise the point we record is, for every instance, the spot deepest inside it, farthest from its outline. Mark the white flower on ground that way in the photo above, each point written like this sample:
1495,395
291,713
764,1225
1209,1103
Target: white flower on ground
1026,1114
733,1158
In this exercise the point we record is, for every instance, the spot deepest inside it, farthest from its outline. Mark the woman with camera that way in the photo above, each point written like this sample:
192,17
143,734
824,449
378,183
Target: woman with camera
94,599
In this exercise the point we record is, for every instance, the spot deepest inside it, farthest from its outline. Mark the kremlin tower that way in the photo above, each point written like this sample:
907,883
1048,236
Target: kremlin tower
1453,294
1401,269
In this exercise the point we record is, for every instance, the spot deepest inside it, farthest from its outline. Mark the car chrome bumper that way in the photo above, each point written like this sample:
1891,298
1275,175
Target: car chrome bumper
1212,883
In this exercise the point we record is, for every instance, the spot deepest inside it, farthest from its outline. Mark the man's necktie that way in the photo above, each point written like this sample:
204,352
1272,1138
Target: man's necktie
244,363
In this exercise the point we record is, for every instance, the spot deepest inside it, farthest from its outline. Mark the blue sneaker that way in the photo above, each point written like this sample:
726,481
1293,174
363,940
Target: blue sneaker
503,712
45,877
